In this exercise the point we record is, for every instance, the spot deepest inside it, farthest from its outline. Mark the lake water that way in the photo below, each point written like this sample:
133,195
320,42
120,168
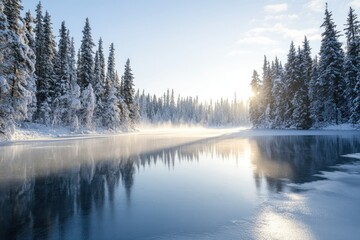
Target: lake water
178,186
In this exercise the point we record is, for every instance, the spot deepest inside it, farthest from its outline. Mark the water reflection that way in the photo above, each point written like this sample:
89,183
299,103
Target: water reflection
297,158
43,186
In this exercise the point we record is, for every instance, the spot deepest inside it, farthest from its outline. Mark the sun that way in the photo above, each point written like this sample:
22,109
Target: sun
245,93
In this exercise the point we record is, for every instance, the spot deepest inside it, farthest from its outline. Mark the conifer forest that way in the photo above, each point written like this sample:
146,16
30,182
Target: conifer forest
307,92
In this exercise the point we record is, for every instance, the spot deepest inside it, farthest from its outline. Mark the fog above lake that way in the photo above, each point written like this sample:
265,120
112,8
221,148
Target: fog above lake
273,156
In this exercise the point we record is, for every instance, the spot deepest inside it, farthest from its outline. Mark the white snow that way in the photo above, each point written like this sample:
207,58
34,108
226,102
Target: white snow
345,126
38,132
34,131
354,155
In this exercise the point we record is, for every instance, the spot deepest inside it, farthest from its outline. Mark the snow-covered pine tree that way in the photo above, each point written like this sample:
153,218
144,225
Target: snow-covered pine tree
15,71
78,63
316,104
129,93
45,54
86,57
28,38
254,103
352,62
49,61
98,91
289,82
39,39
355,114
172,106
74,92
88,106
124,111
331,75
12,9
112,118
85,76
7,122
267,95
143,103
279,94
99,81
62,78
41,84
101,61
28,22
301,114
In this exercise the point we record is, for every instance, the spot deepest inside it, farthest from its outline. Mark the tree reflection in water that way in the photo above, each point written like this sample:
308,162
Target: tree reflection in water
43,185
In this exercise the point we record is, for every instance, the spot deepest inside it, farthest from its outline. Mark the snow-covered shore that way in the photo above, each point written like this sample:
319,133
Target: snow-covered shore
38,132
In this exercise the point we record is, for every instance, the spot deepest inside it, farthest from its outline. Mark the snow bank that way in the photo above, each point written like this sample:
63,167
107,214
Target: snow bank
354,155
34,131
345,126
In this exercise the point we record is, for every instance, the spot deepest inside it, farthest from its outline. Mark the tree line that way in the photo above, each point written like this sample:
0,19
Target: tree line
46,82
190,110
311,92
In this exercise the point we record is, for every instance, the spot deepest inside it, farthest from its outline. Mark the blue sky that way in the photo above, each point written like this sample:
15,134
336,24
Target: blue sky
207,48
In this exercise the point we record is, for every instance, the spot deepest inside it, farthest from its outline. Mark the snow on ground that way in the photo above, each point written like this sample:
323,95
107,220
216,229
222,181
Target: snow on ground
33,131
354,155
38,132
345,126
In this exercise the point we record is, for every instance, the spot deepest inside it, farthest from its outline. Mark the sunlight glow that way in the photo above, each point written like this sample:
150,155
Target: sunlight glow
272,225
245,93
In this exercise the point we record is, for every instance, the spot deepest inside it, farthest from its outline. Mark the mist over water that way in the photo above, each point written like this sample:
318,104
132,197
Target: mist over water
183,184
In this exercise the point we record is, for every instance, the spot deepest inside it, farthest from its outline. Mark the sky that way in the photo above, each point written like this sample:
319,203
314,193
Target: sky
205,48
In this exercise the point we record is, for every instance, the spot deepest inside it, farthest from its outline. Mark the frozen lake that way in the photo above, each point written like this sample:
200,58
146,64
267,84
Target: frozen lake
185,184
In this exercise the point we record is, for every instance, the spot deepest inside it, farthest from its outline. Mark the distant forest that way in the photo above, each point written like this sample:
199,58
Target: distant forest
188,110
311,92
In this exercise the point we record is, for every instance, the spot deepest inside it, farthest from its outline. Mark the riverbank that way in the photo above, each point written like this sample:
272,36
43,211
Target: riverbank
39,132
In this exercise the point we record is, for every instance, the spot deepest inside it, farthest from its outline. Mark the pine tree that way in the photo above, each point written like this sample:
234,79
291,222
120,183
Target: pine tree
46,81
7,122
301,114
28,38
62,78
15,71
101,61
267,97
355,116
289,81
74,92
279,94
352,63
331,75
129,93
88,106
12,11
39,45
86,59
85,76
316,104
29,21
112,111
98,91
254,104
